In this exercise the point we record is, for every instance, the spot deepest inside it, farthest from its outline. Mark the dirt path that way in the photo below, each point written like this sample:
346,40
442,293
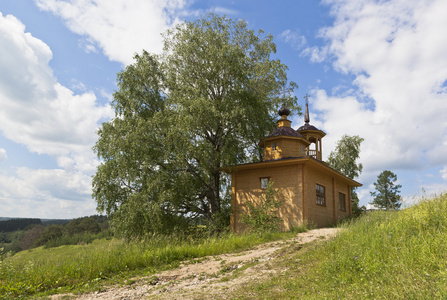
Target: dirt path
209,278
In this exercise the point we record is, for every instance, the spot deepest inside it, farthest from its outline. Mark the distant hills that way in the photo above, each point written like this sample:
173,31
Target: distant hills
43,220
13,224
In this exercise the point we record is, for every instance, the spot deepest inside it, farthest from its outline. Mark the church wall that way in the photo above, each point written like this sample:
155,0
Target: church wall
292,148
345,189
287,180
319,215
330,213
284,148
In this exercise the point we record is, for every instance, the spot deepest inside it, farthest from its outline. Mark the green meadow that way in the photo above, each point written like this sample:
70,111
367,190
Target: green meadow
381,255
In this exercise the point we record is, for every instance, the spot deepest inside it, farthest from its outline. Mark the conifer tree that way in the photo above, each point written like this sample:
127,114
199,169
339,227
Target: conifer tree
387,192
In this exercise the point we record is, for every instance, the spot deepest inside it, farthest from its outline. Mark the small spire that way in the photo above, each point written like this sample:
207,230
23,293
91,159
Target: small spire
306,115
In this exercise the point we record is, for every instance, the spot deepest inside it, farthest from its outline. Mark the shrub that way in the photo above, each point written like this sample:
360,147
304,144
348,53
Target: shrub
264,215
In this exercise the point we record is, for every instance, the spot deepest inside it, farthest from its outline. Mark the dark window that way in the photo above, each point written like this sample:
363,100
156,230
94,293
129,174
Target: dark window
264,182
342,201
321,199
273,146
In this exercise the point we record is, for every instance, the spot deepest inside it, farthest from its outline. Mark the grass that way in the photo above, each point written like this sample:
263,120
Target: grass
87,267
382,255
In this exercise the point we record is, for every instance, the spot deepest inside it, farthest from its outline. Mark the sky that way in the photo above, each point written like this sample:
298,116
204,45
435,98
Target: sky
377,69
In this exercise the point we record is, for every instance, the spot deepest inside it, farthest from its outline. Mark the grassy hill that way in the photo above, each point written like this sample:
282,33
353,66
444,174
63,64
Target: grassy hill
382,255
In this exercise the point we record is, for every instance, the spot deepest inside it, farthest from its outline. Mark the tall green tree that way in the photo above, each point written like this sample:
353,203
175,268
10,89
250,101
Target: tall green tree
180,117
344,160
387,194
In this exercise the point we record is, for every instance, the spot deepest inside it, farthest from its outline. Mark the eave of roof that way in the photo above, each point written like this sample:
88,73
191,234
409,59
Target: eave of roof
287,137
288,161
308,130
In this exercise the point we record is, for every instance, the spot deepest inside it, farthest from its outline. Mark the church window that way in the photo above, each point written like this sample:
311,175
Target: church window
342,201
264,182
320,192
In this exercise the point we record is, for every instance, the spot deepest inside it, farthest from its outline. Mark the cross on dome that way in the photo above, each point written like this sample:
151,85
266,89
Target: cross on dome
284,111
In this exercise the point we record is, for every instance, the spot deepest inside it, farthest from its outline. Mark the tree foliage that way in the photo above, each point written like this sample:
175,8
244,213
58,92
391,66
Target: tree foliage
18,224
180,117
344,160
387,192
50,233
344,157
31,236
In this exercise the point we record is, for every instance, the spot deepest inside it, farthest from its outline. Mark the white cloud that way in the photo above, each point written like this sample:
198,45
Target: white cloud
443,173
120,28
316,54
223,10
398,54
46,193
3,155
36,110
294,38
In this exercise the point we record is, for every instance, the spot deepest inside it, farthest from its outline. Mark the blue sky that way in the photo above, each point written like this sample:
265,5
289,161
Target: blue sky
377,69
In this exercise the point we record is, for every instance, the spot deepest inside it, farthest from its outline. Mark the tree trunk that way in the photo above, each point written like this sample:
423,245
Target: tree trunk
214,193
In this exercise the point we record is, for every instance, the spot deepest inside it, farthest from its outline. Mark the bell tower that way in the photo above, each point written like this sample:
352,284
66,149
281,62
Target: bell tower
284,141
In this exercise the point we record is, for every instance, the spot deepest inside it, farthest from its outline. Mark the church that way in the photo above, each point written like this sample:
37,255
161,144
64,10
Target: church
310,190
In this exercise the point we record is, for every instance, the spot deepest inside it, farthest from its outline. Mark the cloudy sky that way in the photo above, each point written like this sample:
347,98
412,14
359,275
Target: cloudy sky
377,69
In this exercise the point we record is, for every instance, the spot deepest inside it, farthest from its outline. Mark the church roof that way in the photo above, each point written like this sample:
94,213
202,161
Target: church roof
307,126
288,131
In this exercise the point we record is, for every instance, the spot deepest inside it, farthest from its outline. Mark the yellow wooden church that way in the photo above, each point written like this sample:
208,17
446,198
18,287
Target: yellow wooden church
309,189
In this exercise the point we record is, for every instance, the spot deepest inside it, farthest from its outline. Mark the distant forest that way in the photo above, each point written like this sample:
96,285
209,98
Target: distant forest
13,224
22,234
17,224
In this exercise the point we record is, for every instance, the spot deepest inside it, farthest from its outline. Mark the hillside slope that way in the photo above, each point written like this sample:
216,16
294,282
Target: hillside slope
382,255
211,277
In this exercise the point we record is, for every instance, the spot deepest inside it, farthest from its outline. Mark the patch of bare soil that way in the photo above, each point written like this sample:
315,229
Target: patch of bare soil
211,277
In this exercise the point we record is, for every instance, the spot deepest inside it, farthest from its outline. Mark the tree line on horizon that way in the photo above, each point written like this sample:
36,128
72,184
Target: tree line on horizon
50,234
18,224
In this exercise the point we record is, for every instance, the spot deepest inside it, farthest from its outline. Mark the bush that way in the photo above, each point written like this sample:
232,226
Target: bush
264,216
30,237
50,233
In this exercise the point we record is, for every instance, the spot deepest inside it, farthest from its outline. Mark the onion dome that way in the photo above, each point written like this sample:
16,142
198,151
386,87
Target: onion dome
284,125
284,111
